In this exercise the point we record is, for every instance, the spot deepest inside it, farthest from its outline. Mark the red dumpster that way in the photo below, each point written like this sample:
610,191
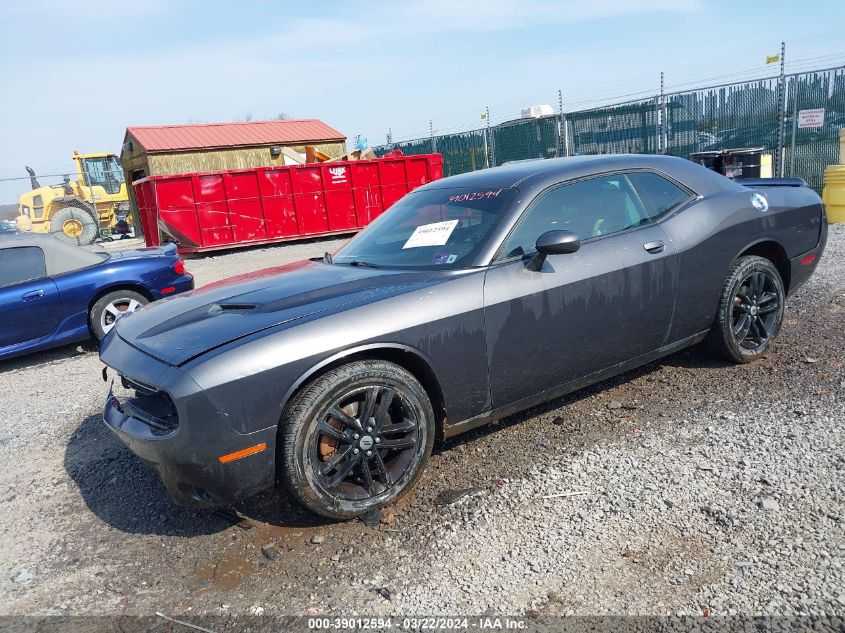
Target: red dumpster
245,207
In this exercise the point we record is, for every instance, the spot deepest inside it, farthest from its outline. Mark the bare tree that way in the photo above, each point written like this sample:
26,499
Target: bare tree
282,116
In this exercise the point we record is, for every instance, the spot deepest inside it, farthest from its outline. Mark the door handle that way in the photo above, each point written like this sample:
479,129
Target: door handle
35,295
654,247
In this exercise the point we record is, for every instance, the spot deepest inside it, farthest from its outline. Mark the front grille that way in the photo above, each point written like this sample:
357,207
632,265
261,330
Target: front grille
147,404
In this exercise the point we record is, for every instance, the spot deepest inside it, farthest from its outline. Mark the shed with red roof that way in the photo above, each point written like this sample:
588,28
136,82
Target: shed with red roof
157,150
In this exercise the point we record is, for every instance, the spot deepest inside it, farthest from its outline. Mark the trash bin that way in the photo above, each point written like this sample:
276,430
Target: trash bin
711,160
742,163
232,208
833,194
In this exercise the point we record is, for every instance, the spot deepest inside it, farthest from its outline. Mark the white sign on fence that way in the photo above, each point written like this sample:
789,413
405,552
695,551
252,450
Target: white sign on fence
811,118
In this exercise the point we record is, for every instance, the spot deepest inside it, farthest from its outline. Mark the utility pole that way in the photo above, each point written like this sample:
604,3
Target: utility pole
659,145
794,126
779,156
487,141
664,116
389,135
559,151
431,136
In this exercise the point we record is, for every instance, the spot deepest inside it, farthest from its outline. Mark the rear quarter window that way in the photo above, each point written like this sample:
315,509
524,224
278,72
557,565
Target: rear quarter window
658,194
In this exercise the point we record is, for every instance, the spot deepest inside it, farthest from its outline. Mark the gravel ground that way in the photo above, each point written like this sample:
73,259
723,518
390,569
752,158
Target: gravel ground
687,486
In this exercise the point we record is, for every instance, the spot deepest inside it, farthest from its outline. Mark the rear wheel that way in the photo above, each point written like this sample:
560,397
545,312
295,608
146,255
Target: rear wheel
356,439
108,308
74,225
750,310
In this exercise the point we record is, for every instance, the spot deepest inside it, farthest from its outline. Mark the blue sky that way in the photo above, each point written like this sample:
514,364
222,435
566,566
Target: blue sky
365,66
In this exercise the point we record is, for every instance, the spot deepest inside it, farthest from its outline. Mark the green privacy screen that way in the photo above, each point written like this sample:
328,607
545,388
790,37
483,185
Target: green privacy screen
771,113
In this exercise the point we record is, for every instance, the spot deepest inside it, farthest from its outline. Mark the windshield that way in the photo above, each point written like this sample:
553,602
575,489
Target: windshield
435,228
104,172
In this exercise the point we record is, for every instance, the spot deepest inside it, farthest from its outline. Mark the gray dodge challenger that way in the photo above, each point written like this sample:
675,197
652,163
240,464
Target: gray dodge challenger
472,298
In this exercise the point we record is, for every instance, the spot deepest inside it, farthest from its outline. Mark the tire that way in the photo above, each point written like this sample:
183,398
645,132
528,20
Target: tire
750,311
74,225
109,307
310,458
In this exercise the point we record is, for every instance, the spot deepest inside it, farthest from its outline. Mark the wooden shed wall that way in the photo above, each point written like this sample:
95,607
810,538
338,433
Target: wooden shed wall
161,163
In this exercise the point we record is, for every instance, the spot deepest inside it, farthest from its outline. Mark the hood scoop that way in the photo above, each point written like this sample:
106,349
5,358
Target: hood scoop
231,308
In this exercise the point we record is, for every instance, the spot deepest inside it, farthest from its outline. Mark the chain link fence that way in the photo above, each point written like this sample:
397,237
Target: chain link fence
762,113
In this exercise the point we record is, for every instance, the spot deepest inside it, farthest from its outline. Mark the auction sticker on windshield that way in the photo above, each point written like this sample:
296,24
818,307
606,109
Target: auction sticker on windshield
435,234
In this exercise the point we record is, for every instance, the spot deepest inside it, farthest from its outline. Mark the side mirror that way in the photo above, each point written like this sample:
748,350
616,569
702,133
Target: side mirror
553,243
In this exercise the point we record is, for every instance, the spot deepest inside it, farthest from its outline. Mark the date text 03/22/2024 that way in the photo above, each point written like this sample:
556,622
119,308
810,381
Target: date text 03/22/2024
417,624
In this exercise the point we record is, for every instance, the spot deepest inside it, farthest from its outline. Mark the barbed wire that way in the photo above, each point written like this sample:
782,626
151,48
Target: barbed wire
573,103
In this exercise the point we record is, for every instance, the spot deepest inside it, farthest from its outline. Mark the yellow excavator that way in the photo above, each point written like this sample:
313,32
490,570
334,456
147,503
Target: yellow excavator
93,205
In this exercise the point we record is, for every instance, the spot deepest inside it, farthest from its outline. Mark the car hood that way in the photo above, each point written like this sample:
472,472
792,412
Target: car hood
179,329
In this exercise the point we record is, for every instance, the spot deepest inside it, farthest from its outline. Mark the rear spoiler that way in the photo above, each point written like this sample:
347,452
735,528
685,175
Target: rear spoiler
771,182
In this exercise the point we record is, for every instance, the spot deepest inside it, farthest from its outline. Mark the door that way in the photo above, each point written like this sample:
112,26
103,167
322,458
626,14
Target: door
609,302
30,304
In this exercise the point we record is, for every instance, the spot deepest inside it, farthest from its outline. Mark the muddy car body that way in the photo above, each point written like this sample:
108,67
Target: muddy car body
335,375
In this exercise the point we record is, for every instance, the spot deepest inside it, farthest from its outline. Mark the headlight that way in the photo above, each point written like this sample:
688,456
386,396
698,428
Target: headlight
147,404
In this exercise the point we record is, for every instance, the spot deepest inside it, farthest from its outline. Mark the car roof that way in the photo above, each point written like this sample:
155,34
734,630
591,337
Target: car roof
543,172
60,257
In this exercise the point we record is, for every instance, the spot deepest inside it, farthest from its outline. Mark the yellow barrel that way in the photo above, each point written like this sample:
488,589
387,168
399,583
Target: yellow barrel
833,194
842,146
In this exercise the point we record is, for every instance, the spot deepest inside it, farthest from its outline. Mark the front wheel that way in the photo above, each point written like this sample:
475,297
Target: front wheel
108,308
750,310
74,225
356,439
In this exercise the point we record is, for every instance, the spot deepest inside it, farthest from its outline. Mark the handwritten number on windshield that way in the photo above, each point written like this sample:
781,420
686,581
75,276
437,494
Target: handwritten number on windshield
476,195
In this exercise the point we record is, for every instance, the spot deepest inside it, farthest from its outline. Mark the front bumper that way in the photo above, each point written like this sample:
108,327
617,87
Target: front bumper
187,458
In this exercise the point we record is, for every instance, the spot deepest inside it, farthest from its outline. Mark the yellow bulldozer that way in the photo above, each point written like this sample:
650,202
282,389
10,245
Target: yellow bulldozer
91,206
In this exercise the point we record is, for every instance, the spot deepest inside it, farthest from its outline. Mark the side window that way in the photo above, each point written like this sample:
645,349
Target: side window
22,263
589,208
658,194
37,206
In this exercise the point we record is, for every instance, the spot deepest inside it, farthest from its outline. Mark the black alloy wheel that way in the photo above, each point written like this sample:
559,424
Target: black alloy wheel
365,443
755,313
750,310
355,439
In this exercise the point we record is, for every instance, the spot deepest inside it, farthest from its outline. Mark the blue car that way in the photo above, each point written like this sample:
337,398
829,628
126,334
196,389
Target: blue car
53,293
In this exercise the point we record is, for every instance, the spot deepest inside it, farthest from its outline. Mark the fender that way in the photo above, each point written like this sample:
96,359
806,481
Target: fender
781,262
351,352
761,240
